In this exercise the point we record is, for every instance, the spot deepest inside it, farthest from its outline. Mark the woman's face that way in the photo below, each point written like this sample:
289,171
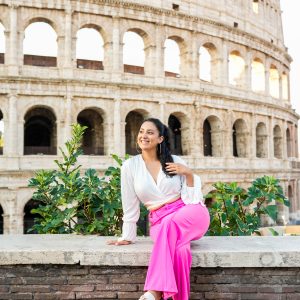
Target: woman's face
148,136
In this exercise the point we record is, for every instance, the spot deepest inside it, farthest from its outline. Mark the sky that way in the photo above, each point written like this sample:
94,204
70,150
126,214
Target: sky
291,24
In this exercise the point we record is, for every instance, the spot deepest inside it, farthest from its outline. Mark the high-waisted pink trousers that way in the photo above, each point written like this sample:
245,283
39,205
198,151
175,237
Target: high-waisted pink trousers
173,226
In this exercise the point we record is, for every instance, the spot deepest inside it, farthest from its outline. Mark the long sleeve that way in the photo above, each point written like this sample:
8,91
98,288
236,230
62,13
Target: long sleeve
130,204
191,194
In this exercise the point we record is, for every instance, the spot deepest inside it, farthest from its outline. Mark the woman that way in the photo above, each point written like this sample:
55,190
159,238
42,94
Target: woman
172,194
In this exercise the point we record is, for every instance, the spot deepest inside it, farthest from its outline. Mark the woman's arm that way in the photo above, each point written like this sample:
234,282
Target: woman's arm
130,205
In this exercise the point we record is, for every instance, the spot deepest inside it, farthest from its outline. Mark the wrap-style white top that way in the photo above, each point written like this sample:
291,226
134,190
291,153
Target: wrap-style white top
138,185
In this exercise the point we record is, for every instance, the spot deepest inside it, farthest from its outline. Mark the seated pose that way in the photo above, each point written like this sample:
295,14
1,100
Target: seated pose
178,215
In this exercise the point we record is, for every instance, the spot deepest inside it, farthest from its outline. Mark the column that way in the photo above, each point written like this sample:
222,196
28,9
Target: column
198,132
227,135
118,141
65,54
253,137
271,140
11,138
68,118
162,116
248,70
223,79
159,53
284,140
13,45
194,58
150,64
117,65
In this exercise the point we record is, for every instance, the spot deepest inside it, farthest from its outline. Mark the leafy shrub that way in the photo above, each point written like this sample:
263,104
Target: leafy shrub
237,212
71,203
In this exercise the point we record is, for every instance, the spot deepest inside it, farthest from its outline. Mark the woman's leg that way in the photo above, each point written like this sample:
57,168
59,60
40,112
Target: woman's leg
170,261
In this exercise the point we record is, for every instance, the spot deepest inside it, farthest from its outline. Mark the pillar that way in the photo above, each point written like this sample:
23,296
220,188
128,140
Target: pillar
13,45
119,129
11,138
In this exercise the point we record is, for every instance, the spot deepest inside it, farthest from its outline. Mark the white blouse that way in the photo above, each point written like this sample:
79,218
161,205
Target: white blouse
137,184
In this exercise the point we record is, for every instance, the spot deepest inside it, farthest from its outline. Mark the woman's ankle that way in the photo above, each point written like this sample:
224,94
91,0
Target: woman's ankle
156,294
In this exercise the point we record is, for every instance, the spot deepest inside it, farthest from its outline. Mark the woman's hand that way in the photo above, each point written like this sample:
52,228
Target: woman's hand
118,243
177,168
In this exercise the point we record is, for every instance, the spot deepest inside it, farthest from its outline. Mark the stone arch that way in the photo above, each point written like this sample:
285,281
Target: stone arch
28,220
136,59
258,75
277,141
236,69
44,19
89,60
274,81
2,42
180,119
36,58
1,220
178,61
133,122
93,138
285,86
207,55
240,138
261,140
1,132
289,143
40,136
212,136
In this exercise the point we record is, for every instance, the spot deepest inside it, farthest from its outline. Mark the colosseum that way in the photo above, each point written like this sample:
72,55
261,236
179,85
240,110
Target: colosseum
226,101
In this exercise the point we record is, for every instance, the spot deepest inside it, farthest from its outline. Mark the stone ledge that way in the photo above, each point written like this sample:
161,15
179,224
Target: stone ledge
209,252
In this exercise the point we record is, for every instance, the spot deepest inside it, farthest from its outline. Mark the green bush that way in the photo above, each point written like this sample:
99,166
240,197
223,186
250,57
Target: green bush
231,213
71,203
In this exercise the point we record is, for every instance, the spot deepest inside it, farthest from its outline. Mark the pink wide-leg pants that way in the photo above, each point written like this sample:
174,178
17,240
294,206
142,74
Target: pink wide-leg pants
173,226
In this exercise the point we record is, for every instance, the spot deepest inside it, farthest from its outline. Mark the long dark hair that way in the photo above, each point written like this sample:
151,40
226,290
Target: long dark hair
162,150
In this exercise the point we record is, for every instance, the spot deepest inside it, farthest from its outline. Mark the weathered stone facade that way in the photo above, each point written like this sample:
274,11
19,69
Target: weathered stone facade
229,130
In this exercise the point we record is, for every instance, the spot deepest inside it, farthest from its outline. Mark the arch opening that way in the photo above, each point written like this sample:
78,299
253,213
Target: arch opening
40,135
285,87
205,61
236,69
257,76
29,217
89,49
175,135
133,53
274,82
40,45
261,140
93,138
212,137
134,120
171,58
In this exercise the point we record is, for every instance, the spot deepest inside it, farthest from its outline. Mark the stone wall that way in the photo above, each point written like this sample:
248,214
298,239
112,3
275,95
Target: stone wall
43,282
85,267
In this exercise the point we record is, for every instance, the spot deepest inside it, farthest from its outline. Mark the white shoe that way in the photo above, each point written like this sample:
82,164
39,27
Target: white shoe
147,296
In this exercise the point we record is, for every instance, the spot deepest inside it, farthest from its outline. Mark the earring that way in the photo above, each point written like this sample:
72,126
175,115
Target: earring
138,149
160,148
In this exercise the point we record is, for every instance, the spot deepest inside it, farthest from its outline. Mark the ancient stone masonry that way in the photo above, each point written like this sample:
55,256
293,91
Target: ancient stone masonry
227,102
